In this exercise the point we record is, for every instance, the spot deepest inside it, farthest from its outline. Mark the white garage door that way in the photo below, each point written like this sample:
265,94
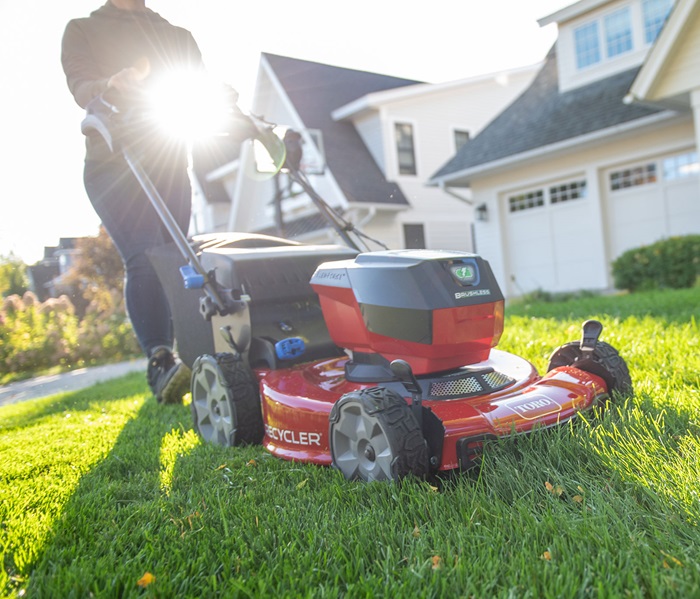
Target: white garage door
548,229
650,201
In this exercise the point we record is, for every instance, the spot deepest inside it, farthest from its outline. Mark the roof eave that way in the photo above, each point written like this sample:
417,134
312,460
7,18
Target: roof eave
463,178
571,12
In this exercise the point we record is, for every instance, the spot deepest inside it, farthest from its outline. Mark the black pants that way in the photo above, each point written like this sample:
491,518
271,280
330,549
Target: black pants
134,227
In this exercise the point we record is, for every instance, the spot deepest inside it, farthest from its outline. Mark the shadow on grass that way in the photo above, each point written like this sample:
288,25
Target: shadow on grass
111,515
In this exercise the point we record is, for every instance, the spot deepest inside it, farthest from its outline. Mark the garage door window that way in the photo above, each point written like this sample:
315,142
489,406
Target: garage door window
683,165
567,192
525,201
632,177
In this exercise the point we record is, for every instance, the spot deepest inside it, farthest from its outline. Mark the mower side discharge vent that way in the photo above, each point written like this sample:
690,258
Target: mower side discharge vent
461,386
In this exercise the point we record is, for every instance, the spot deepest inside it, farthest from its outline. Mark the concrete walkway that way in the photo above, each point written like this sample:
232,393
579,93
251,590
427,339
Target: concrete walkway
68,381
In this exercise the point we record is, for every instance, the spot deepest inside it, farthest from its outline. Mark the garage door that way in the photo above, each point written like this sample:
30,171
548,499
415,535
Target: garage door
651,201
548,229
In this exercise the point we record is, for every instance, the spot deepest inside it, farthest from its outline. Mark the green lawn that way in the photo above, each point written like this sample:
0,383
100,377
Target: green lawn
99,487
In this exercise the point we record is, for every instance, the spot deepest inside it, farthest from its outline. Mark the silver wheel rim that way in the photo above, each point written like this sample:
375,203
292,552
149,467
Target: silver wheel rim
360,446
212,404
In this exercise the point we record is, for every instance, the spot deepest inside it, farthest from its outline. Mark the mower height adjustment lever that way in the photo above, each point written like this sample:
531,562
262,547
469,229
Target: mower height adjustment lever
402,370
589,337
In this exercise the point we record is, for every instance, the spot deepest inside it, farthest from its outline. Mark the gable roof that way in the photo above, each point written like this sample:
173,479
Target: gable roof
316,90
674,34
542,118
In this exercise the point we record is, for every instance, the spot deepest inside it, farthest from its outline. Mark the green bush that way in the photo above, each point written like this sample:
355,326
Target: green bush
671,263
35,336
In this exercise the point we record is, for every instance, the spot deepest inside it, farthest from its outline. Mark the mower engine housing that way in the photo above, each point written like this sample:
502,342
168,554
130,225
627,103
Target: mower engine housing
437,310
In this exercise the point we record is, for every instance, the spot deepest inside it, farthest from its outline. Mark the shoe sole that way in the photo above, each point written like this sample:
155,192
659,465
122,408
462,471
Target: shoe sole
176,388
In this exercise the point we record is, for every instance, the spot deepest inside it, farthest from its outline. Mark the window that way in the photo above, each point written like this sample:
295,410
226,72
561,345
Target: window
461,138
655,13
587,45
683,165
632,177
567,192
405,149
414,237
618,32
525,201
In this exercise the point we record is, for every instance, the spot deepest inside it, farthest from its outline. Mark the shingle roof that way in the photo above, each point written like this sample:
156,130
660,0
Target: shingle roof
543,116
316,90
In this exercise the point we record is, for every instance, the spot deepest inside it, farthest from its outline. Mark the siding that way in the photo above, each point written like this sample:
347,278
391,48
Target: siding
682,72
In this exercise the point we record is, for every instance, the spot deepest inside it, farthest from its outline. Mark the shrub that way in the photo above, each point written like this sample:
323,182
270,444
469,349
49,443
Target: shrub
35,336
670,263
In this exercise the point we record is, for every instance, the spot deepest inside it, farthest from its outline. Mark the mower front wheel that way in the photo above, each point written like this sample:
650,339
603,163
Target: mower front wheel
225,401
604,356
374,435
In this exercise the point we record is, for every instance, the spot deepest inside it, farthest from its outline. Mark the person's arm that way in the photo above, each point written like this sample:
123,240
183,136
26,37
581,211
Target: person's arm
83,76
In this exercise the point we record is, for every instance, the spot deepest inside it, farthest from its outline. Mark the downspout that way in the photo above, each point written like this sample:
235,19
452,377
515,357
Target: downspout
371,213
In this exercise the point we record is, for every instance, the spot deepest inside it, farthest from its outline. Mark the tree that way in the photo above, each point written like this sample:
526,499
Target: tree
13,275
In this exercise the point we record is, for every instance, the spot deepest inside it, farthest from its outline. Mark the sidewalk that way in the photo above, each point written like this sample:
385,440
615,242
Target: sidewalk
69,381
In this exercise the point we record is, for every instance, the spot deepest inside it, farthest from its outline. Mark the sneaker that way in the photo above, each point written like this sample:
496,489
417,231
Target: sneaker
168,378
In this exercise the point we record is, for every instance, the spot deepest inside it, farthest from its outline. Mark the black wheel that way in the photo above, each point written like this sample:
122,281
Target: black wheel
375,436
605,356
226,401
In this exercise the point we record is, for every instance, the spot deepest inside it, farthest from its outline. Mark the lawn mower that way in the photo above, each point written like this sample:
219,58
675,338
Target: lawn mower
379,363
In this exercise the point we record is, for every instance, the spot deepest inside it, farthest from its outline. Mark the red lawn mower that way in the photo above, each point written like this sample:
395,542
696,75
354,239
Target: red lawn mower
380,363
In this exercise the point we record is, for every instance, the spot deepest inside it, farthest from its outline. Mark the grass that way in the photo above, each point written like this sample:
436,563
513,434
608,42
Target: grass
101,486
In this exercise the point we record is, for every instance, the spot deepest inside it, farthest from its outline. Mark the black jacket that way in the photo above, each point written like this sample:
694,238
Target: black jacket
111,39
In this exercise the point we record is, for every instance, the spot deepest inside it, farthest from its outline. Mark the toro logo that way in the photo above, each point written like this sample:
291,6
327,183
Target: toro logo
533,406
292,437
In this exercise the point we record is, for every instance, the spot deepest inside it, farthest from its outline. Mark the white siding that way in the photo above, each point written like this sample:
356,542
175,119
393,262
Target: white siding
597,234
370,130
682,73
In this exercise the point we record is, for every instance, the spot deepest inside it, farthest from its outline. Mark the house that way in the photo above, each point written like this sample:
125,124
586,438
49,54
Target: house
370,143
598,155
46,277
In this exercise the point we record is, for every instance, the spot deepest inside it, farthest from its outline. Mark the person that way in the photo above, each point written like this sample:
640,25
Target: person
122,46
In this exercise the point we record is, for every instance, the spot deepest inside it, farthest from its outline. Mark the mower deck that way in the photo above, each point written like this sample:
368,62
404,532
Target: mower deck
297,402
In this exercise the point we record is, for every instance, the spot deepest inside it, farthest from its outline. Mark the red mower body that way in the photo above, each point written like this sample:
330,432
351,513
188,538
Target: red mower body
442,313
297,403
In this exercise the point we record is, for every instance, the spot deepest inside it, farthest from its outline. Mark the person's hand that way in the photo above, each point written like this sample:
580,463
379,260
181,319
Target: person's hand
129,79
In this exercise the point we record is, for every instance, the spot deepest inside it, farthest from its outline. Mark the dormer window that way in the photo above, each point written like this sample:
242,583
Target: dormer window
618,33
612,34
587,45
655,13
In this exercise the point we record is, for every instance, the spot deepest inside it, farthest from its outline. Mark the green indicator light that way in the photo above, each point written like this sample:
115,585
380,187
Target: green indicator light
464,273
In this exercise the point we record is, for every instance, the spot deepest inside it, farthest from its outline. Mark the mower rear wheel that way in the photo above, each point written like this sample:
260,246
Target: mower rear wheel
225,401
604,355
374,435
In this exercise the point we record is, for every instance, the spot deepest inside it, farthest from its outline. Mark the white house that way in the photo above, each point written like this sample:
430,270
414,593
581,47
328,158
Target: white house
596,156
378,139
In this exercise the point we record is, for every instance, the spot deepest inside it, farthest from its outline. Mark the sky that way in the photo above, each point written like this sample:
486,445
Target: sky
43,198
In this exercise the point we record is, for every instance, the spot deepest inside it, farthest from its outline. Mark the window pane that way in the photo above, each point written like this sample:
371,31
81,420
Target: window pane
526,201
632,177
461,138
587,45
683,165
655,13
618,32
569,191
404,146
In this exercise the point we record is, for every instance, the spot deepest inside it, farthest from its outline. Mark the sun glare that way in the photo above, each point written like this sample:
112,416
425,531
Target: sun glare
189,105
